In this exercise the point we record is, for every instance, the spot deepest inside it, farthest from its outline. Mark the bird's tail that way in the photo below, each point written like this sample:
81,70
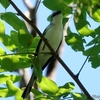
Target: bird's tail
29,86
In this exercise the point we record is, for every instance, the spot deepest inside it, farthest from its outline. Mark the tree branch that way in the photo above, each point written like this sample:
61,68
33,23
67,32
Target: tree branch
53,52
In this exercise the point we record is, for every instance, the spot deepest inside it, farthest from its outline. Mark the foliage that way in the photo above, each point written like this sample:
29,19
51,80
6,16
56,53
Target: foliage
22,46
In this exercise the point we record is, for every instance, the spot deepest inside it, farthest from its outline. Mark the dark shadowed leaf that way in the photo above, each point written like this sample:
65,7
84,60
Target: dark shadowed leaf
13,20
95,50
37,94
14,37
5,3
37,68
24,38
95,61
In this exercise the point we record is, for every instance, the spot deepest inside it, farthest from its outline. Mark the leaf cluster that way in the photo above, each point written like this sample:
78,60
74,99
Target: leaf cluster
51,91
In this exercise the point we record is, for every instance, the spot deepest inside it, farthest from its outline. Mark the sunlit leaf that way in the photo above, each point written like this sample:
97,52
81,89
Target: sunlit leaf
3,37
5,77
2,70
65,89
2,51
95,14
69,85
83,29
79,96
2,28
13,90
13,62
48,86
75,41
81,24
58,5
4,92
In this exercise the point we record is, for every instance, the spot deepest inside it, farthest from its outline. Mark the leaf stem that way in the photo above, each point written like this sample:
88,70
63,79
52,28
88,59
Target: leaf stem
25,53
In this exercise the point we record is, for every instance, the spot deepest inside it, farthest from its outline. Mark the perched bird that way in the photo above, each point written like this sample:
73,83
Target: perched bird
54,35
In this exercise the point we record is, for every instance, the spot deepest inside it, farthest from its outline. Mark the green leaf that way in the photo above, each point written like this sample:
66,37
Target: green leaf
6,39
4,92
5,77
83,29
64,21
3,37
14,37
10,45
48,86
13,90
37,94
95,61
79,96
2,28
37,68
13,20
95,50
66,89
69,86
81,24
14,62
34,42
2,51
24,38
1,70
10,62
93,41
95,14
97,30
75,41
5,3
58,5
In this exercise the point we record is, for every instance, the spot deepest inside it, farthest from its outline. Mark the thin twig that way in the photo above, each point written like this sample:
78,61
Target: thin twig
36,8
26,53
86,60
53,52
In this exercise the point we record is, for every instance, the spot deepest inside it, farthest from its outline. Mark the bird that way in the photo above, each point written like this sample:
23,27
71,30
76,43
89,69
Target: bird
54,36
